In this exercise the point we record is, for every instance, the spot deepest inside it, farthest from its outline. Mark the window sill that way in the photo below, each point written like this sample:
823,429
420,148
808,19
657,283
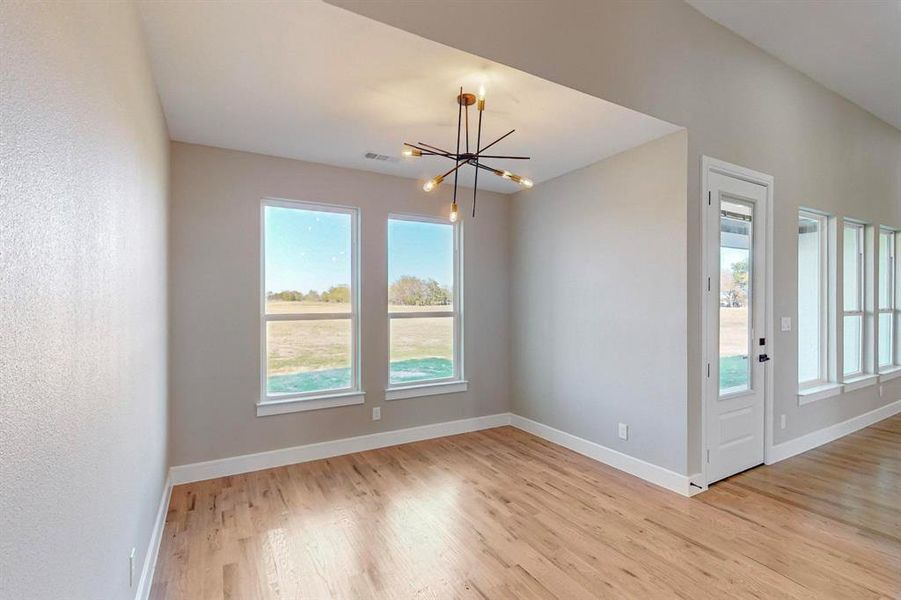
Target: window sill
290,405
889,373
861,381
820,392
426,389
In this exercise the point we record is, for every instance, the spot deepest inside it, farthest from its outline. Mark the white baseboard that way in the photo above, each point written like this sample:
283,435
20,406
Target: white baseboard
681,484
298,454
831,433
153,547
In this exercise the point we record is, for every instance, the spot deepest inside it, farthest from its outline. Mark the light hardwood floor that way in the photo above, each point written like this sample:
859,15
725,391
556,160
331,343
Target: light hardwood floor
503,514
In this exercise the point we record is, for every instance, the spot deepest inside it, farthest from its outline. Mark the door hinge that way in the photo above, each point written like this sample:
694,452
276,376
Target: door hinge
708,456
708,370
708,198
708,284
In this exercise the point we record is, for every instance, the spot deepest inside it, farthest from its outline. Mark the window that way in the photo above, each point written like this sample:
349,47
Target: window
853,322
309,305
423,302
887,298
736,277
813,307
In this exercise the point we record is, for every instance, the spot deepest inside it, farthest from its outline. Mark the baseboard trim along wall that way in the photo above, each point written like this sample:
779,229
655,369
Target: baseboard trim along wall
831,433
298,454
675,482
153,547
681,484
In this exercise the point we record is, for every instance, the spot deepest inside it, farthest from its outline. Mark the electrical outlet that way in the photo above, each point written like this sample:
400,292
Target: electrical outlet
376,413
782,421
131,568
786,323
623,431
881,391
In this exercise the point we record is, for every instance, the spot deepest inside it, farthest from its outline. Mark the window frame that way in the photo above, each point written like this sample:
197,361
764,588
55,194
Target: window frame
823,377
300,401
860,312
457,382
892,308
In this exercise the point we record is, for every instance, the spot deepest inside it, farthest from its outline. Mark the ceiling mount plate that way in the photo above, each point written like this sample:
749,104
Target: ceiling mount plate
466,99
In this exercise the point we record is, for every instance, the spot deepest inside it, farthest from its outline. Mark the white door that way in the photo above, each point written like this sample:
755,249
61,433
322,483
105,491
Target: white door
736,320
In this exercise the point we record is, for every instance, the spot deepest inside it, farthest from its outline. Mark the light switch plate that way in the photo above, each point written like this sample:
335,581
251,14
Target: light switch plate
786,323
623,431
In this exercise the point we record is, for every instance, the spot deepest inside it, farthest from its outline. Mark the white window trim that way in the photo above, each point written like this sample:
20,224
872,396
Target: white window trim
296,402
823,379
861,381
432,388
447,385
860,312
892,308
890,373
819,392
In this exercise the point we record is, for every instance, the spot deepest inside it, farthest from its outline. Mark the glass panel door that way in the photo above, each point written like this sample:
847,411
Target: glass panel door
736,259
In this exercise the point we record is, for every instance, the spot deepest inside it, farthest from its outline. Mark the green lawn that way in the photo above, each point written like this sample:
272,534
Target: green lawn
402,371
733,371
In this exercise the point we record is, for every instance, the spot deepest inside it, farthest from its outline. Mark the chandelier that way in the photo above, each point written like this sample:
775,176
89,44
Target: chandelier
467,157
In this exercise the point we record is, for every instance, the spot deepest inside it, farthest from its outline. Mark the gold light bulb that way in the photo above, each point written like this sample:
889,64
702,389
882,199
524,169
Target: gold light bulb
411,151
481,98
454,214
526,183
431,184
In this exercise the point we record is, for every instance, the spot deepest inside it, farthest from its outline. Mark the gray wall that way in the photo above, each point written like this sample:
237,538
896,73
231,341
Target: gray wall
83,185
598,288
215,274
738,103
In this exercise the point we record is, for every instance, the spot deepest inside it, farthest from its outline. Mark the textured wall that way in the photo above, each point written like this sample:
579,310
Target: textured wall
83,185
598,286
215,280
738,103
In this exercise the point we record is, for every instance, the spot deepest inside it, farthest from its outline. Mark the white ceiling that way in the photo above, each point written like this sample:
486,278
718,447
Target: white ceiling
310,81
852,47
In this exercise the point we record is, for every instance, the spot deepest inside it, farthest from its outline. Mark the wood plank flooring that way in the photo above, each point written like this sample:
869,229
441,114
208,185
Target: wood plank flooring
503,514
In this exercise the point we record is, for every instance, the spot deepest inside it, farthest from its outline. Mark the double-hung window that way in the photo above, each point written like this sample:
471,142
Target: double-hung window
310,325
854,293
813,300
424,306
888,303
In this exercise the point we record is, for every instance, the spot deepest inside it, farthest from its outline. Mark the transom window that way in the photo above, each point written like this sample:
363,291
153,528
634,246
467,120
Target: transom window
423,301
854,290
309,306
888,304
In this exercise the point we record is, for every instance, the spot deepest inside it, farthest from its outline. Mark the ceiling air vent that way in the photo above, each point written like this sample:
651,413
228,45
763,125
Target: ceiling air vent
381,157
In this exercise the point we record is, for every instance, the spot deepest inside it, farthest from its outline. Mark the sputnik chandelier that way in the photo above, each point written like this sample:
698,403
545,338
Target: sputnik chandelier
467,157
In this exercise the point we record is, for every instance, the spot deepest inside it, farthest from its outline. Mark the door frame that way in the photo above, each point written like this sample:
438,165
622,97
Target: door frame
713,165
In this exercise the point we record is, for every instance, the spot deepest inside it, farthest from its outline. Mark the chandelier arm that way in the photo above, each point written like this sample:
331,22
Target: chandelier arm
437,150
505,157
498,139
454,169
475,186
485,167
457,169
429,149
467,130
